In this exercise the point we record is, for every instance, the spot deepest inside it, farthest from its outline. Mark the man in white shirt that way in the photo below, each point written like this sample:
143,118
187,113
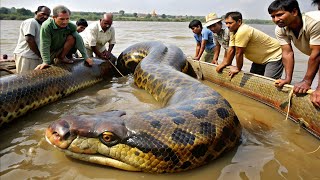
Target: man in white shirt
26,54
97,35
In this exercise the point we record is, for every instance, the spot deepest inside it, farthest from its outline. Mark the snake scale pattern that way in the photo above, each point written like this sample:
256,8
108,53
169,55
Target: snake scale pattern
195,125
22,93
298,107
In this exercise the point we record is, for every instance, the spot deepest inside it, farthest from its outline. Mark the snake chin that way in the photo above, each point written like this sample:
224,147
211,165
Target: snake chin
102,160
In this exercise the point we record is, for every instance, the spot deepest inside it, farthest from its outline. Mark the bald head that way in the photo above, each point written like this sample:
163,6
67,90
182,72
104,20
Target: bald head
108,16
106,21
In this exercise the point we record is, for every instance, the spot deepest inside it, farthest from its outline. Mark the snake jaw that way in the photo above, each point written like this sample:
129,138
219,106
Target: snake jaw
102,160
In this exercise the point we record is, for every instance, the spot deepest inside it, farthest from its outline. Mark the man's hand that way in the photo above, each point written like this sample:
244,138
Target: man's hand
215,62
302,87
106,54
315,97
220,67
280,82
89,61
233,70
196,58
42,66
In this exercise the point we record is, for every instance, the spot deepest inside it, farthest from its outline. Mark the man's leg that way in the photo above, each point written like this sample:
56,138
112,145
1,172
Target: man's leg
258,68
207,56
24,65
18,62
70,42
274,69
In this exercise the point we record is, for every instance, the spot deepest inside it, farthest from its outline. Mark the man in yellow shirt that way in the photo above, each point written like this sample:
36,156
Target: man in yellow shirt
263,50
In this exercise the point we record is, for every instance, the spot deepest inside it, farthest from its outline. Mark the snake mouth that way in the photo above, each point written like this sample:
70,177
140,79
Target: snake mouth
102,160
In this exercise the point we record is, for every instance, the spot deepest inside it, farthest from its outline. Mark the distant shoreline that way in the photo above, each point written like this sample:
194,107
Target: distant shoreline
22,14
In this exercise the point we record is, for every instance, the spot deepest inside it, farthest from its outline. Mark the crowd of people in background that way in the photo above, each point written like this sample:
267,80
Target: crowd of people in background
44,41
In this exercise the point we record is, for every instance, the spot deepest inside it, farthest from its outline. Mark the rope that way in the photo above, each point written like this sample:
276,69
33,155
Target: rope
289,103
301,122
115,68
314,150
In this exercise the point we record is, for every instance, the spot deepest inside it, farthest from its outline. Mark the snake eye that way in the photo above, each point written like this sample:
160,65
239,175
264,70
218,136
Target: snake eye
108,138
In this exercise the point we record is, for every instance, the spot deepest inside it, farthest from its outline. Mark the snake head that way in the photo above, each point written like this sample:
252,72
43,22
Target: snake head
107,126
91,137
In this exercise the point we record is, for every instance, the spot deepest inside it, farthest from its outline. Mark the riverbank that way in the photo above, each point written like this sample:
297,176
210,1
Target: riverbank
22,14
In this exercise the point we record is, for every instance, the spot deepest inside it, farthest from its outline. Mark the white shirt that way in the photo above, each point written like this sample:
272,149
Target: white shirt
28,27
94,35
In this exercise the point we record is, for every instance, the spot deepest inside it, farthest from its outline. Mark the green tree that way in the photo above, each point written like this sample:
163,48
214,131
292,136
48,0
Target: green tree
13,10
121,12
164,16
4,10
148,16
24,12
135,14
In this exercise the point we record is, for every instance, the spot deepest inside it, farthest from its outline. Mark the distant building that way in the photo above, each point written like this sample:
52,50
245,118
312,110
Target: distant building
154,14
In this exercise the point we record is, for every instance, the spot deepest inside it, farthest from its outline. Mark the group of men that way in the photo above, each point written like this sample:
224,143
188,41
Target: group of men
44,41
269,56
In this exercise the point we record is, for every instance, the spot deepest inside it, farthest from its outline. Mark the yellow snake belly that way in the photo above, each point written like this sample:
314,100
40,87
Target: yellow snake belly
22,93
195,125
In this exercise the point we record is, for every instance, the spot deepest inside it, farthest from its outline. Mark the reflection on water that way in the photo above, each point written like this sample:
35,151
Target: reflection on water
271,147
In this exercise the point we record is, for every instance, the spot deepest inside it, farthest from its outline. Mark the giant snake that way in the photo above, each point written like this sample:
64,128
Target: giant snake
195,125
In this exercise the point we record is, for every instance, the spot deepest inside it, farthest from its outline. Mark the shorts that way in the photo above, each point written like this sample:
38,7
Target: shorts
207,55
272,69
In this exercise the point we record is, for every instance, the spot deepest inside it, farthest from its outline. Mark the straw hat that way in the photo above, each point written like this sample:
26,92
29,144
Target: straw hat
212,18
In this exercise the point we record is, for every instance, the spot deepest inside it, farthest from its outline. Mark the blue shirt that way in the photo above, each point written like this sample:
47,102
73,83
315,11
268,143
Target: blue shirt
206,34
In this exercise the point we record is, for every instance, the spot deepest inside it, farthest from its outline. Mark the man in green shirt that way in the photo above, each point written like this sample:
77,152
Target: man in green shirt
58,36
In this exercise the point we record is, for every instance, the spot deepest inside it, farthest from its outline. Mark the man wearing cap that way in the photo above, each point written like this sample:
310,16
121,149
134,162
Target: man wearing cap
204,39
221,38
255,45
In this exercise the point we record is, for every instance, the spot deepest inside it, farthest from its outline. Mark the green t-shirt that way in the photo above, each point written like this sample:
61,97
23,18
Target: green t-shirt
52,39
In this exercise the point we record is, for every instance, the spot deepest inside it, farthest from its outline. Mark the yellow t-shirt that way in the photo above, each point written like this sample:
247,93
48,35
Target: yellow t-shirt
259,47
309,34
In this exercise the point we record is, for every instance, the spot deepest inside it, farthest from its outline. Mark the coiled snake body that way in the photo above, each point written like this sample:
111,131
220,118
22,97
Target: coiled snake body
195,125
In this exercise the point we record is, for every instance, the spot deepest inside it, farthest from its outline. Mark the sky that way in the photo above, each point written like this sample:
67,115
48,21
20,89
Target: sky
250,9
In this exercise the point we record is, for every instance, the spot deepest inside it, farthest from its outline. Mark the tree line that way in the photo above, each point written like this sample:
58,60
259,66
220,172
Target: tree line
22,14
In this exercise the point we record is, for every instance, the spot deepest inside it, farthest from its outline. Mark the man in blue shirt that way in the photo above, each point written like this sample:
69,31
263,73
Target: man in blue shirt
204,39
